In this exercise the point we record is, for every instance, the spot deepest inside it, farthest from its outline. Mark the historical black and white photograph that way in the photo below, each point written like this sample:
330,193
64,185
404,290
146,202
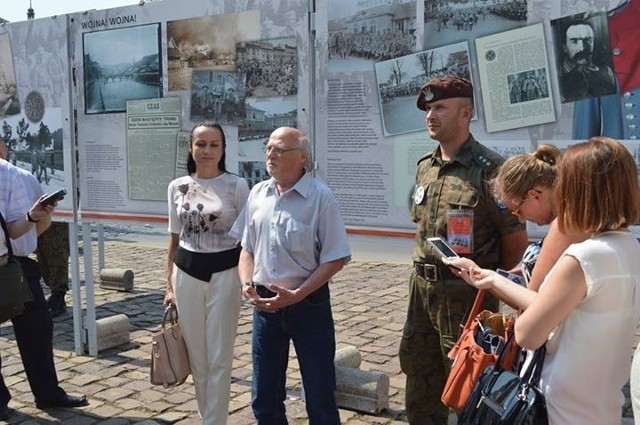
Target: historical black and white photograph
399,81
279,18
218,96
528,85
583,56
9,102
366,31
253,171
37,147
40,59
120,65
540,10
270,67
207,42
451,21
263,115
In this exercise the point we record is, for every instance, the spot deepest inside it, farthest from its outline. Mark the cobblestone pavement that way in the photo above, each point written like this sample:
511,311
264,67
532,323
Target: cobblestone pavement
369,301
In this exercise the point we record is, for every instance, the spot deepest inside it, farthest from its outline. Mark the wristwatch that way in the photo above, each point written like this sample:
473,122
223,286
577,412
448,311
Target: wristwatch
31,219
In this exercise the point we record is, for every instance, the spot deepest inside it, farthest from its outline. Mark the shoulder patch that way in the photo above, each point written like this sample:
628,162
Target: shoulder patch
427,156
485,162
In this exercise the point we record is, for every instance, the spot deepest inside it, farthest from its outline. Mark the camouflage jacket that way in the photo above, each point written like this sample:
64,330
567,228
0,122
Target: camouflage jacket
461,184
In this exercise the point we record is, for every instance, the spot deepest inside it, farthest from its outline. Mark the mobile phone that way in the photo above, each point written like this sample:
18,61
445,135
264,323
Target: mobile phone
511,276
53,197
442,247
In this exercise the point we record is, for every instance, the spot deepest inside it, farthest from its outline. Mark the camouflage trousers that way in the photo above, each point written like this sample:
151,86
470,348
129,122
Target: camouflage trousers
53,256
437,311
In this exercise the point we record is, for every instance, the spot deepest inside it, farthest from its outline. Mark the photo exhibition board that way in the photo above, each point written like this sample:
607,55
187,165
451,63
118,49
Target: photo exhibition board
35,104
347,73
177,65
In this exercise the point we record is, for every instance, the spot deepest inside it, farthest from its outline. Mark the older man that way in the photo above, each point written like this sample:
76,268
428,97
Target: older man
293,242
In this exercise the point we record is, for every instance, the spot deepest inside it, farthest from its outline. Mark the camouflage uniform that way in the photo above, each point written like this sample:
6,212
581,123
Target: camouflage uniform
438,303
53,256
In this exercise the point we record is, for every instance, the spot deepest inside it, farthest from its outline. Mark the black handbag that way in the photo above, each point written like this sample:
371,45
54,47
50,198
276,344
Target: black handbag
14,288
505,397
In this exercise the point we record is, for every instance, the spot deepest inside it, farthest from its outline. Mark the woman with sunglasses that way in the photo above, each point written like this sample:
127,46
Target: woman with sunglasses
525,184
588,307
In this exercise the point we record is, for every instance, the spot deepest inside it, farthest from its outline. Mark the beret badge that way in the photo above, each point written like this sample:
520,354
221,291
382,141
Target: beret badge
428,94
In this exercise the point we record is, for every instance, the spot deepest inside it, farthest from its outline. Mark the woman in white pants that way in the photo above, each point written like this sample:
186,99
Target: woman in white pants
635,383
202,266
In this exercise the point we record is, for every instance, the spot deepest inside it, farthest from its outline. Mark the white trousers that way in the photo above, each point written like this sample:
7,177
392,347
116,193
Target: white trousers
209,314
635,384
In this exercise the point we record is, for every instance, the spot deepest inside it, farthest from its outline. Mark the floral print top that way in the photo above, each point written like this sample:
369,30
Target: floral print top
202,211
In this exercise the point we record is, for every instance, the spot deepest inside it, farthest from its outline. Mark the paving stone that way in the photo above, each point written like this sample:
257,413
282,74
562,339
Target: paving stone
369,304
112,394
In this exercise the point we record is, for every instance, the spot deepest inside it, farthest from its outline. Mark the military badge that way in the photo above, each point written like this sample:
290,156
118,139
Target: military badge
418,195
428,94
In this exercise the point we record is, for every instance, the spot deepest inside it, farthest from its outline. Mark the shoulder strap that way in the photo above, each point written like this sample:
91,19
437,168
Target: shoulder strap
6,235
472,314
475,309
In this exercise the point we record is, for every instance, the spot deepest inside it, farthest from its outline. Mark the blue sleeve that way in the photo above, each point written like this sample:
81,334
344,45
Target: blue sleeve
598,116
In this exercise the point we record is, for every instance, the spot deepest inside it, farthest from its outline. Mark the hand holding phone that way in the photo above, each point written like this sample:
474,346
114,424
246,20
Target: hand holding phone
442,247
53,198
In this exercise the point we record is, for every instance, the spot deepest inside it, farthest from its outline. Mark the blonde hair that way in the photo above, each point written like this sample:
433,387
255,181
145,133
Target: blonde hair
520,173
597,187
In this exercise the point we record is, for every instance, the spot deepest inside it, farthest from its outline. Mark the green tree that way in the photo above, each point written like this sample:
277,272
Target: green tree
22,130
57,140
44,135
7,132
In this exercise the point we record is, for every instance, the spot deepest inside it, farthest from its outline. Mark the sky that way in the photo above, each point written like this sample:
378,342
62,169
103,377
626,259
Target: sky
16,10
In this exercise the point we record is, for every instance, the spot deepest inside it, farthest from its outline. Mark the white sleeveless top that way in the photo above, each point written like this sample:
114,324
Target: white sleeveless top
589,353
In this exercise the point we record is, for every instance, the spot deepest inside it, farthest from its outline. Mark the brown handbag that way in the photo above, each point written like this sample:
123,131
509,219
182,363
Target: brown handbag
169,358
470,358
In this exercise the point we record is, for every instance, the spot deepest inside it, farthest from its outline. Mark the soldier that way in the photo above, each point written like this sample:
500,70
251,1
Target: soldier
56,70
42,166
451,199
53,257
35,164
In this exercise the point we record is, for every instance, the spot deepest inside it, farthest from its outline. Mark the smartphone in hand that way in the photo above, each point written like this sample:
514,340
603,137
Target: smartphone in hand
511,276
442,247
53,198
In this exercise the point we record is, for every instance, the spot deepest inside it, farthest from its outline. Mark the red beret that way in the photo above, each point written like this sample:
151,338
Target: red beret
443,88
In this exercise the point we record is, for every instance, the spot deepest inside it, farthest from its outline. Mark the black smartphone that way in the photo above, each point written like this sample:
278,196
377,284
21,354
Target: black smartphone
53,197
512,276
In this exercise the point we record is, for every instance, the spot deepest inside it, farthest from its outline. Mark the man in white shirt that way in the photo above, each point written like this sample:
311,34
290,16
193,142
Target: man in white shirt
33,329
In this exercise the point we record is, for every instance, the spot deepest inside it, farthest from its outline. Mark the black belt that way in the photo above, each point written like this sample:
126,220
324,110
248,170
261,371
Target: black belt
433,272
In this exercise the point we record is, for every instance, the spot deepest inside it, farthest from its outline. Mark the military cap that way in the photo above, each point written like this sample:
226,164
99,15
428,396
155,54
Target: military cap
443,88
